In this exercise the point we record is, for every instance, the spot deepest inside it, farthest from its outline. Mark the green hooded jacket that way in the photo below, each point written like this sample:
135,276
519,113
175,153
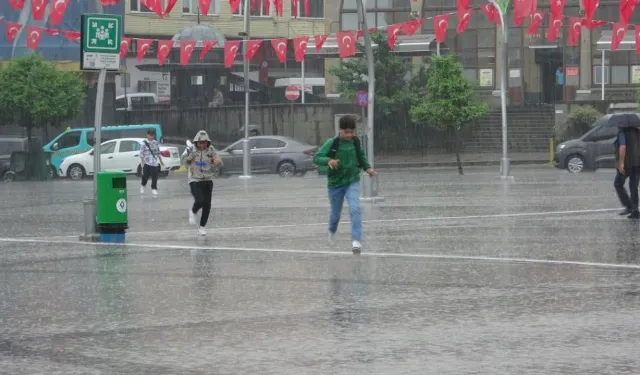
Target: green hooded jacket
348,170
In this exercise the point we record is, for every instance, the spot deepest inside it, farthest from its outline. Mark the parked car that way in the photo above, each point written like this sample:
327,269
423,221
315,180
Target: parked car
8,145
593,150
270,154
118,154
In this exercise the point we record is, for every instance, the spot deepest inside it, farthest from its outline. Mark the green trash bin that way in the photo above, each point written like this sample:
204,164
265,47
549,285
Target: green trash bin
111,202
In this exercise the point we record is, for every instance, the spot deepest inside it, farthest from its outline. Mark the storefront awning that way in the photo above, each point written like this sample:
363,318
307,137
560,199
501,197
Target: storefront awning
628,43
405,45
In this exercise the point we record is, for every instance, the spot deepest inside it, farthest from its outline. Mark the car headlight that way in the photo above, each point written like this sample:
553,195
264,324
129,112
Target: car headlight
560,147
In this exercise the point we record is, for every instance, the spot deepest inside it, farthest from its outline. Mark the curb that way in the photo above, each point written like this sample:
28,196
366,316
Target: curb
383,165
182,169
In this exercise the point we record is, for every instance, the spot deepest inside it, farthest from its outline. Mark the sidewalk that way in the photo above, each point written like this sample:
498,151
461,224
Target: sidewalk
409,160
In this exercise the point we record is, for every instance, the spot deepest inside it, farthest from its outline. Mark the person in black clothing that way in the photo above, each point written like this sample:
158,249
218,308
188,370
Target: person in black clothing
628,164
621,178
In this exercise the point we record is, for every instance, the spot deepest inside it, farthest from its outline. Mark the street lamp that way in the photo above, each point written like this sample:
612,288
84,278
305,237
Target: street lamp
502,6
246,156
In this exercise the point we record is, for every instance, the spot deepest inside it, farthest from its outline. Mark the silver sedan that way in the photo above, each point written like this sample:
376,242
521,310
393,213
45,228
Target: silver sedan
270,154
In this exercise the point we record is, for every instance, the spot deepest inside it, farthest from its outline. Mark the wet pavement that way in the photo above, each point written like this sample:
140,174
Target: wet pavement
459,275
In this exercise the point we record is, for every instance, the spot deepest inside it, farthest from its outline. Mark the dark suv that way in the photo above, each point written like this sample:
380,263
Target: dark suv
593,150
9,144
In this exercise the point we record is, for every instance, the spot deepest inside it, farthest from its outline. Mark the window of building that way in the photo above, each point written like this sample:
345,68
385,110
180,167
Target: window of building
380,13
316,9
192,7
259,10
138,6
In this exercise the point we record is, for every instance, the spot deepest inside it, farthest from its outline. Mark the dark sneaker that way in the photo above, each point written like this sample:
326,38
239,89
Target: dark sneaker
626,211
634,215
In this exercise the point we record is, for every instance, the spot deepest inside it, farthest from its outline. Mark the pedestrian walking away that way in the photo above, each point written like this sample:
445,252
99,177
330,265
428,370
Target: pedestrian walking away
621,178
151,161
343,159
628,164
201,159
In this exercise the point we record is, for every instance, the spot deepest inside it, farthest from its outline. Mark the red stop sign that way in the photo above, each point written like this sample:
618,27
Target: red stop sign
292,92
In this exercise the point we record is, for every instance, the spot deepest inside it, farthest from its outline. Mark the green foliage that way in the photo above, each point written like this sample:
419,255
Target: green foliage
578,122
33,93
449,102
390,71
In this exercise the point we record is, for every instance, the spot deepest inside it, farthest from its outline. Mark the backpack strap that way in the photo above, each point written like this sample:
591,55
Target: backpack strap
357,144
334,148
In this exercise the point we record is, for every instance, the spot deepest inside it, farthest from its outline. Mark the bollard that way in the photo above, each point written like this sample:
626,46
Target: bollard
89,206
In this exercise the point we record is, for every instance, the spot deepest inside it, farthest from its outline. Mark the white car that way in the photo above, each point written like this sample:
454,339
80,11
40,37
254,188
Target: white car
118,154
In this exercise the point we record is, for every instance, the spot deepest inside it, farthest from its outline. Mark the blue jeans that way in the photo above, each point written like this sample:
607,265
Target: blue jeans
336,199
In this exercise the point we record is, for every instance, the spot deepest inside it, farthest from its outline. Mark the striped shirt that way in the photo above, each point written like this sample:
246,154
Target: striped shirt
150,153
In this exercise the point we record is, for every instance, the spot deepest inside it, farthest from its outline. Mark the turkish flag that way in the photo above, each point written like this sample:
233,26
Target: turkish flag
164,50
410,27
346,43
360,33
11,30
521,10
555,24
230,51
280,46
142,46
617,34
58,7
462,5
491,12
34,33
294,8
154,6
267,7
207,45
37,10
536,20
170,6
557,6
626,10
440,24
252,47
393,31
73,36
637,32
234,5
592,24
319,41
17,4
204,6
279,5
124,47
575,27
300,47
307,8
590,7
52,32
106,3
463,20
186,49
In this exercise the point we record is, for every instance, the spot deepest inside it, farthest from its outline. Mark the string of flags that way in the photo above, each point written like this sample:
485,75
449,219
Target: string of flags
346,40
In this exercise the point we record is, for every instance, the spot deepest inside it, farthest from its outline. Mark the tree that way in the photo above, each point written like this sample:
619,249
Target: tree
34,94
449,103
579,121
391,92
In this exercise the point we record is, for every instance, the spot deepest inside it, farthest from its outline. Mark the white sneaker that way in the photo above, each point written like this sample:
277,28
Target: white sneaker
141,189
202,231
154,192
192,217
332,239
356,246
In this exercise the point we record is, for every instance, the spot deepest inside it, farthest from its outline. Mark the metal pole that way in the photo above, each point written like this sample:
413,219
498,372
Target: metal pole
602,77
438,49
98,133
246,153
303,86
504,163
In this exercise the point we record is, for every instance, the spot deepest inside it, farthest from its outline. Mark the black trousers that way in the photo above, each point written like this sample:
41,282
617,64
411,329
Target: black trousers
202,191
147,171
623,196
634,179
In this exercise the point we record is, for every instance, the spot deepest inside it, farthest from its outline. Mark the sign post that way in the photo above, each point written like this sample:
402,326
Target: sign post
100,50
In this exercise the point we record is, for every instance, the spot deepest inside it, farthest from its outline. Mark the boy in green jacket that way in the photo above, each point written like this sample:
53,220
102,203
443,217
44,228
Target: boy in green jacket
344,158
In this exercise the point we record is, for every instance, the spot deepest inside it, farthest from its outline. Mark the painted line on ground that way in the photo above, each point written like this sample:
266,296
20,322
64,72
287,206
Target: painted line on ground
396,220
159,247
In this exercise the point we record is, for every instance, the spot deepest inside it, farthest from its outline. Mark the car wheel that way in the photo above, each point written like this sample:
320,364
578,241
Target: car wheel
76,172
575,164
9,176
286,169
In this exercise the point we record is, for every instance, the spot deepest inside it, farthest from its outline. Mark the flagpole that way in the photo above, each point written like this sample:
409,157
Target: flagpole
303,86
505,162
246,156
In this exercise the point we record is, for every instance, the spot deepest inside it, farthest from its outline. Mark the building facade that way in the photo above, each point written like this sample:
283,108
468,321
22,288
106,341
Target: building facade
265,68
533,62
